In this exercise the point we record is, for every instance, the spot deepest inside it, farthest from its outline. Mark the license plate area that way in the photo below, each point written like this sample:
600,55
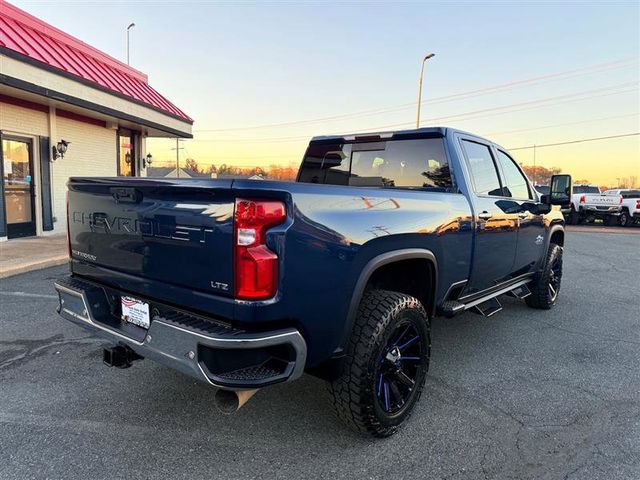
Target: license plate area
135,312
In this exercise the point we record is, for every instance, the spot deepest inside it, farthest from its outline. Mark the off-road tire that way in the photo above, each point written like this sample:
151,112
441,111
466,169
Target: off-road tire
541,296
353,392
625,219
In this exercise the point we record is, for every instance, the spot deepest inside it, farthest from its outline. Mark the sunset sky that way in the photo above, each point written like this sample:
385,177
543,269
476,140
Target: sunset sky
261,78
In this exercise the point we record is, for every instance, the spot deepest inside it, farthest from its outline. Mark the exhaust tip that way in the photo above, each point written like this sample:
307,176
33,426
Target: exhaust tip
229,402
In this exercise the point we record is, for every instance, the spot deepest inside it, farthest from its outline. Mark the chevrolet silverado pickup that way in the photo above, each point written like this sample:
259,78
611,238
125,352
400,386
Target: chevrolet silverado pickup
244,284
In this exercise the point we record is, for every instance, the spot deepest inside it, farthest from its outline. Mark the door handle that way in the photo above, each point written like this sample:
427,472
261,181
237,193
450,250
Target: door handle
484,215
522,215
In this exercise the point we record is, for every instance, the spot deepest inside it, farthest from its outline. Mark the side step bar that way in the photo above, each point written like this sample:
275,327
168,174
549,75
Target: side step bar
486,305
520,292
488,308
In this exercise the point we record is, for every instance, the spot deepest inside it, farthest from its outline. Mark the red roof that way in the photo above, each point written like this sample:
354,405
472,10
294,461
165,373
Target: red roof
39,41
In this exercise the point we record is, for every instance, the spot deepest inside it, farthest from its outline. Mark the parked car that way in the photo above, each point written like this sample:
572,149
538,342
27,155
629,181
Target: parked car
630,207
588,204
245,284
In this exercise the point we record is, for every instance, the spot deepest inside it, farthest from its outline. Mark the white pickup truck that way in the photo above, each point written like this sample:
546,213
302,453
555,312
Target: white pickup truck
588,204
630,207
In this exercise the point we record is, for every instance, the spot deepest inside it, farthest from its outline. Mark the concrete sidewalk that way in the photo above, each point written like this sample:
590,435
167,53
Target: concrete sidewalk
26,254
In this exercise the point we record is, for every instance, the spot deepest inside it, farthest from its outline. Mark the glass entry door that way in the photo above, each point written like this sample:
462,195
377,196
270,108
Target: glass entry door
126,153
17,178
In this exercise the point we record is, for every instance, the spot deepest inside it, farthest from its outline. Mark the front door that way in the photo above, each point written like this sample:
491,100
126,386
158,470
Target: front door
531,231
496,220
18,186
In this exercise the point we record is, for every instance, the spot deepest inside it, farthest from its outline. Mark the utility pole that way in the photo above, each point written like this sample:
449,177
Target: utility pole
177,149
131,25
424,60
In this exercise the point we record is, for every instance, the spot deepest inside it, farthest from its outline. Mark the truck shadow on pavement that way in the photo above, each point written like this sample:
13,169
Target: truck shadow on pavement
522,394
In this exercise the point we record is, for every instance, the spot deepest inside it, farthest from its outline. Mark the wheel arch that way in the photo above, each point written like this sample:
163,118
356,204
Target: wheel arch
386,260
556,235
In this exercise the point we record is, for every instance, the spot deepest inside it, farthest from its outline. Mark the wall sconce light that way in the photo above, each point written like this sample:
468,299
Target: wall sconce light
60,149
147,161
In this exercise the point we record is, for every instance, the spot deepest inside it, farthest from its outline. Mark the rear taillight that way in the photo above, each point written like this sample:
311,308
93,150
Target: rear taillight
637,204
582,200
256,267
620,200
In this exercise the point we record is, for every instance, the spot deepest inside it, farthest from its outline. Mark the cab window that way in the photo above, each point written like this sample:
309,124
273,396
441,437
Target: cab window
484,175
420,163
326,164
516,184
411,163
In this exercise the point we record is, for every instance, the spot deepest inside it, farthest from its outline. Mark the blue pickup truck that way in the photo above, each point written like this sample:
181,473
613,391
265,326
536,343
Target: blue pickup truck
244,284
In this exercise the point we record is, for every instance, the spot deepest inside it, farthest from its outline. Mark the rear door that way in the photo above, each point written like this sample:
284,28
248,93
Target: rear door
531,228
496,219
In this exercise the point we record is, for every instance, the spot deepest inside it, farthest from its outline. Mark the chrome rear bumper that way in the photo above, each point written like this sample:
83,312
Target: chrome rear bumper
207,350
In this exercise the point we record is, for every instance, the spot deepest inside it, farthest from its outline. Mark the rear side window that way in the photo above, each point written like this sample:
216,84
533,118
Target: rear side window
416,163
516,183
484,175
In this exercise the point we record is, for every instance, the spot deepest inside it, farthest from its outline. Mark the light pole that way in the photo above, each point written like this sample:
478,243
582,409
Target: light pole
131,25
535,176
424,60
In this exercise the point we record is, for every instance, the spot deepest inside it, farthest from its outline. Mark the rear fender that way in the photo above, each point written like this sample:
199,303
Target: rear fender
377,262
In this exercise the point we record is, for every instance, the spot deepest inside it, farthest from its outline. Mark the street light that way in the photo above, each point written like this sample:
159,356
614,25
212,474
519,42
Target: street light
424,60
131,25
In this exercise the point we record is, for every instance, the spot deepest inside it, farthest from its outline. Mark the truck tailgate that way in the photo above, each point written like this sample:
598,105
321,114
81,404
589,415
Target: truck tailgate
174,231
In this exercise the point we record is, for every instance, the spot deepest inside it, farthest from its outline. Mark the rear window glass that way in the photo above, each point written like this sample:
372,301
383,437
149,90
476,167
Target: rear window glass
630,194
327,164
417,163
585,189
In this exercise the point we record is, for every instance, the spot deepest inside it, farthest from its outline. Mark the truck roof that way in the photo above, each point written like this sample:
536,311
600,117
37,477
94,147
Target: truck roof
426,132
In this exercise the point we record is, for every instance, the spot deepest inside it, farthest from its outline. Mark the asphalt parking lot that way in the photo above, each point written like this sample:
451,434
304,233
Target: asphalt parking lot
524,394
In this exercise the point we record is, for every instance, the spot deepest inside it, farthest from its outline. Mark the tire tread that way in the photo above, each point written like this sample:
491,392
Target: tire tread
539,297
348,393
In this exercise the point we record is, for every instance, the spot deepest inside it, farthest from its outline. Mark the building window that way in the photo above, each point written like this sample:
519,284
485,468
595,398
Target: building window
126,153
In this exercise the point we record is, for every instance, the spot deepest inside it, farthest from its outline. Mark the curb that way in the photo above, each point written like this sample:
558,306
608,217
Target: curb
36,265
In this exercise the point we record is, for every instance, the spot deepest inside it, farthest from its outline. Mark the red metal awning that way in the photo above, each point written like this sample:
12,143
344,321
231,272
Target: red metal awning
30,37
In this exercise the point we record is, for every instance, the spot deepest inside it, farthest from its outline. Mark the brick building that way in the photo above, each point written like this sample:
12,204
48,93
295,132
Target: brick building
56,89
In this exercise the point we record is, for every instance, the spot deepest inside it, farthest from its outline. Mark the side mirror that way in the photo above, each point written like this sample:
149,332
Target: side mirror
560,191
543,208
